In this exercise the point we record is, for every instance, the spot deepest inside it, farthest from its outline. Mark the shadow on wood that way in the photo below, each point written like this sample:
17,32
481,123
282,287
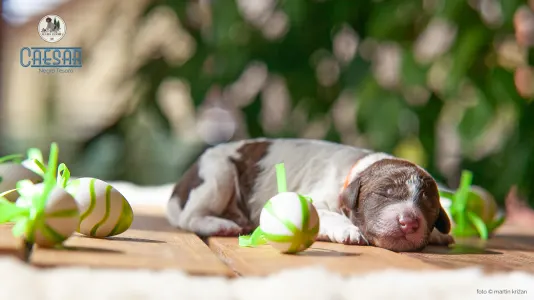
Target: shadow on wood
150,222
342,259
512,248
458,249
150,243
127,239
326,252
87,249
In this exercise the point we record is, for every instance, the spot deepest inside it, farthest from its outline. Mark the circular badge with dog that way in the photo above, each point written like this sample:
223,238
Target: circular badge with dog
52,28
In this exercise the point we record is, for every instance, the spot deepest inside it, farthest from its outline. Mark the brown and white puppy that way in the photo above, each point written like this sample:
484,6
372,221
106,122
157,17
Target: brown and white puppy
362,197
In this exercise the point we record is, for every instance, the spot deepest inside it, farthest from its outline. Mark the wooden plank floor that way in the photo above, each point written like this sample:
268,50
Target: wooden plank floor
345,260
512,248
10,245
150,243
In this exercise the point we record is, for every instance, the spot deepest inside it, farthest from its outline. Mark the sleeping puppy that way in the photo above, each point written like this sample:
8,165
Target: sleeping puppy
362,197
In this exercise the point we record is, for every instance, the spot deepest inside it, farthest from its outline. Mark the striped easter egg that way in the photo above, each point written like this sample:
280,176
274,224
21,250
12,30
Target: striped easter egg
489,209
10,174
289,222
60,219
479,201
104,210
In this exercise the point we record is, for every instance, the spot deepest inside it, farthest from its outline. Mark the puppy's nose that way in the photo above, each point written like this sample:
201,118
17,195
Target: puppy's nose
408,224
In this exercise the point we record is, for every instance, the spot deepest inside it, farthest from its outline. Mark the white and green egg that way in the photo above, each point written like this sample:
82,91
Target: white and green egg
58,220
104,211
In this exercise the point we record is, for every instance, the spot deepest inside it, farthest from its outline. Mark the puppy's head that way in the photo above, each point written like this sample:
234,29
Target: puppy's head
395,204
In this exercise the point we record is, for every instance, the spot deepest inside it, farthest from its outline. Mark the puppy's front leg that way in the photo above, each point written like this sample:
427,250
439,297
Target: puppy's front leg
337,228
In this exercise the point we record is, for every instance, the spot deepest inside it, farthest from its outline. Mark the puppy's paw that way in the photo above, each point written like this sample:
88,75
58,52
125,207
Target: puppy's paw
348,235
214,226
440,239
229,231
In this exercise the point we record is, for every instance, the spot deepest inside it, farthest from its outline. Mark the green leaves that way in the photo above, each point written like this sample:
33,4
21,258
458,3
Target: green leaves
9,211
296,11
475,119
478,224
17,158
482,92
468,47
388,21
412,72
465,212
28,212
378,116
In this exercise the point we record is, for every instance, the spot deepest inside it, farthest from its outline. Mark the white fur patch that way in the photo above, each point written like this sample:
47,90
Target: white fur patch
414,185
387,226
339,229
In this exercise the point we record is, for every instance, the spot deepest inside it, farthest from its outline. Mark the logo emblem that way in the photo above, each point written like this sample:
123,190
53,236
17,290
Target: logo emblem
52,28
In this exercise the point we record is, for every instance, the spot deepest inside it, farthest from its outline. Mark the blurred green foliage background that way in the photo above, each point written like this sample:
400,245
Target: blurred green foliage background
445,83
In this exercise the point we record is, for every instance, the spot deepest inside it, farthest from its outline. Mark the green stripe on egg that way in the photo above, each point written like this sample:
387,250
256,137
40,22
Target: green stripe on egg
92,199
106,214
289,222
125,221
58,221
63,213
51,235
105,211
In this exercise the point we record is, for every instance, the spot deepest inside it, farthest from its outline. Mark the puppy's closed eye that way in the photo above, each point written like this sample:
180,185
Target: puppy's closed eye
383,196
387,194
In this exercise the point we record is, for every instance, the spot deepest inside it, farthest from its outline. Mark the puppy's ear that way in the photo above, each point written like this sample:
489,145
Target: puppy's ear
349,197
443,224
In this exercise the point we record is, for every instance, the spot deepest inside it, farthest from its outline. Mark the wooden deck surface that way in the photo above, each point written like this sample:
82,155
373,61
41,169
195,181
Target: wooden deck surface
345,260
509,250
151,243
9,245
512,248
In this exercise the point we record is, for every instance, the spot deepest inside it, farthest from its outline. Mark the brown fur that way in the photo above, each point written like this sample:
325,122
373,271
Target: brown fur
375,188
190,180
247,170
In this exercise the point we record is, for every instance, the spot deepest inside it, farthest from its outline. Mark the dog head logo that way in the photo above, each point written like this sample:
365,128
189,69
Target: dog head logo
52,28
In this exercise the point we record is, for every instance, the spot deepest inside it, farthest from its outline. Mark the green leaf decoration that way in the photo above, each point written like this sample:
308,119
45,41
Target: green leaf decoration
464,211
63,175
34,161
281,178
9,211
479,224
14,158
459,204
28,213
257,238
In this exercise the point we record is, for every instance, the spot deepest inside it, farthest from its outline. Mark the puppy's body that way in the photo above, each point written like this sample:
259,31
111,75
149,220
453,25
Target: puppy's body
362,197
